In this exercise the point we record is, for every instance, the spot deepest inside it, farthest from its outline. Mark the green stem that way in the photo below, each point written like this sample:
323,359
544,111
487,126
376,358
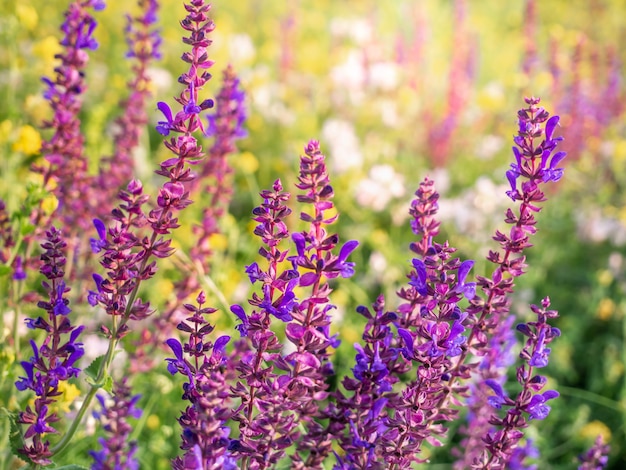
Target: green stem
591,397
104,367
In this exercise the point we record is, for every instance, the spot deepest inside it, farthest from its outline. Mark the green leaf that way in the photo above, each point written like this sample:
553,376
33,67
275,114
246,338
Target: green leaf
71,467
27,228
4,270
108,383
16,439
94,368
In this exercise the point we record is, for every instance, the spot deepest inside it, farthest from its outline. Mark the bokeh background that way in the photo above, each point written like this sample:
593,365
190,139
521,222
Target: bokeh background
395,91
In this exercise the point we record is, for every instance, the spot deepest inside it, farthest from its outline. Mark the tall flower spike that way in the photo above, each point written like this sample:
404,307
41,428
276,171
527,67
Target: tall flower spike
316,262
596,458
128,256
363,407
213,179
64,151
118,451
143,47
530,403
204,430
535,164
53,362
431,335
266,415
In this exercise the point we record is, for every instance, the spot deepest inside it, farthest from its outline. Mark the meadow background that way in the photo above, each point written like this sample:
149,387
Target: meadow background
394,91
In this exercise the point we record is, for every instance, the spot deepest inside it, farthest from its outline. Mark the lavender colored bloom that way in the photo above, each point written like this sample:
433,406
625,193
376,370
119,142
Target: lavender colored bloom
54,361
362,408
64,151
118,451
266,418
18,272
204,430
116,170
530,403
596,458
527,162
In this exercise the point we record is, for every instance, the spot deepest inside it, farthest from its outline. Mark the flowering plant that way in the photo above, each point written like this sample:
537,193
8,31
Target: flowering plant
278,392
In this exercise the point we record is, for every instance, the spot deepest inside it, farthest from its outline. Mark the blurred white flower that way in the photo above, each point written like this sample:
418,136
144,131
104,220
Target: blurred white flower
477,211
343,144
381,185
268,101
377,262
389,113
597,227
357,29
383,76
241,48
351,73
161,79
489,146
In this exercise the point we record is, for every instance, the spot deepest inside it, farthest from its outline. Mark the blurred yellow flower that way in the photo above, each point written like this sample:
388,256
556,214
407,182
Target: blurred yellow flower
69,393
26,16
619,152
37,107
153,422
164,287
28,141
593,429
606,309
605,277
47,48
49,204
218,241
247,163
6,127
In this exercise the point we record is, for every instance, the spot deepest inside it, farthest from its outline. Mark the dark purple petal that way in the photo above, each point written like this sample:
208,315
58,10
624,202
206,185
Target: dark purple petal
176,348
308,279
346,249
550,126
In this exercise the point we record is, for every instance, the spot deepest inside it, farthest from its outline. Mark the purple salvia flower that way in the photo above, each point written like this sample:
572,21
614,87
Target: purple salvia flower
188,120
531,402
64,151
498,357
423,209
204,431
315,262
127,255
55,360
432,340
596,458
536,163
363,406
143,41
431,334
485,314
266,418
118,451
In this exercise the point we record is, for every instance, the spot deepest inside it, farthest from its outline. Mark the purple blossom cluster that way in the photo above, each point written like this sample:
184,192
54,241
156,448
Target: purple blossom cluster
205,433
64,151
273,397
118,450
117,170
55,360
